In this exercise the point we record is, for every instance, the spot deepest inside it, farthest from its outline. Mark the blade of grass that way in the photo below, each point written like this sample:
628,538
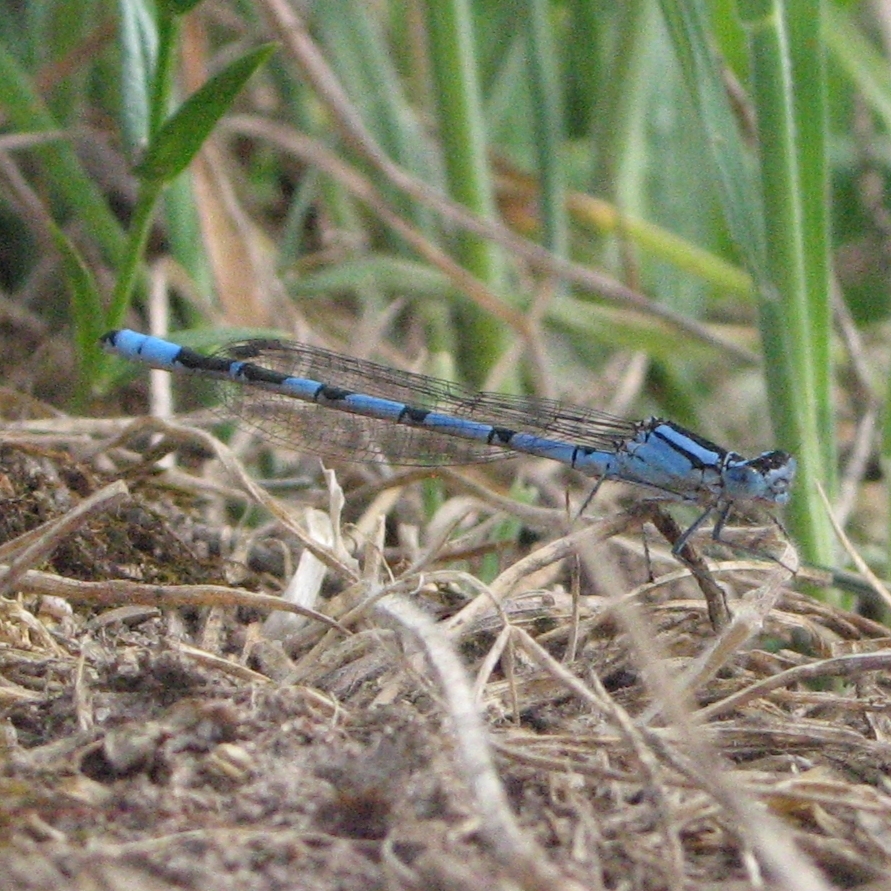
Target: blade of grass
547,123
788,88
454,69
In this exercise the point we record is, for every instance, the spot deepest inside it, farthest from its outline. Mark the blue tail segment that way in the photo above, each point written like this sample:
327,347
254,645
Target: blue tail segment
336,406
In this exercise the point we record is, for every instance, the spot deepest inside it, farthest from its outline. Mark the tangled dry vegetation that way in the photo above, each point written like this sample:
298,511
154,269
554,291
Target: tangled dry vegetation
398,723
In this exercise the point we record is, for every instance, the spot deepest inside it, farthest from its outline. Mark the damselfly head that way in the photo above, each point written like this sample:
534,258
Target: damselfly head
765,478
778,470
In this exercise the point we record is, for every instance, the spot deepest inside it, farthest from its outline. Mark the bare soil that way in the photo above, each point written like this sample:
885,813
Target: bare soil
157,735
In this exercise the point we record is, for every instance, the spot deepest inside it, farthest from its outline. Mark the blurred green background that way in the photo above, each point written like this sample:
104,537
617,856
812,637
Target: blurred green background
673,208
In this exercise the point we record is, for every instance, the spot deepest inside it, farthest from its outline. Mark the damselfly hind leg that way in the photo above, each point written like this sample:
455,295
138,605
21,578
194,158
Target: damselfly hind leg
681,543
681,549
723,514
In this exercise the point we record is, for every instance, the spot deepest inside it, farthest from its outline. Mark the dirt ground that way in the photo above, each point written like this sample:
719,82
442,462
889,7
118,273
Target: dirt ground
536,731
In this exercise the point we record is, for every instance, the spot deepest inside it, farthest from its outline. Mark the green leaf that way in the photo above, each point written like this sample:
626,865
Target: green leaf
183,134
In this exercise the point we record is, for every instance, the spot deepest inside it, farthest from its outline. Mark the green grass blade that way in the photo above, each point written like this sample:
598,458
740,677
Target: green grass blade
788,87
547,124
464,139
